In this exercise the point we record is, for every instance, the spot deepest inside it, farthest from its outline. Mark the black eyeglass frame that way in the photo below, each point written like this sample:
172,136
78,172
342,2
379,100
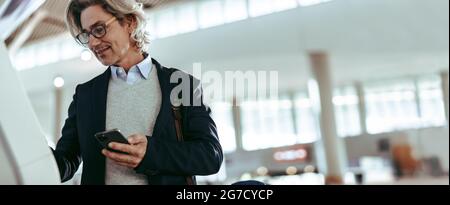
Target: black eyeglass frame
98,35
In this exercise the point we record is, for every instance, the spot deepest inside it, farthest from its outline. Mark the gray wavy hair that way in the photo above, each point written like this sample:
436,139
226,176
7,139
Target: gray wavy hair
121,9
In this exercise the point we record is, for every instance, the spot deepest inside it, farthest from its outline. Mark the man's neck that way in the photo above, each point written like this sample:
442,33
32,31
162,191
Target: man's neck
130,60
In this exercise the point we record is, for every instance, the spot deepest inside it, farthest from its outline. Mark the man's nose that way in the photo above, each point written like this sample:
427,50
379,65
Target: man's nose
93,42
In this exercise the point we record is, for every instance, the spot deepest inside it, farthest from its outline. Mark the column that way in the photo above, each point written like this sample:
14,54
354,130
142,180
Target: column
237,125
361,107
59,84
332,144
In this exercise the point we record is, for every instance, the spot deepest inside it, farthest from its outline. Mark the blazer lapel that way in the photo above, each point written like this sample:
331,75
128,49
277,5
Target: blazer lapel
99,94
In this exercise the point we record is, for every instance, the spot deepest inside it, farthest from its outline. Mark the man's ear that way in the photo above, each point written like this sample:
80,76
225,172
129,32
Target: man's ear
131,23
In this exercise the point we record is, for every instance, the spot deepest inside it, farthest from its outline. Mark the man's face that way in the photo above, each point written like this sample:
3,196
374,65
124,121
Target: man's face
114,46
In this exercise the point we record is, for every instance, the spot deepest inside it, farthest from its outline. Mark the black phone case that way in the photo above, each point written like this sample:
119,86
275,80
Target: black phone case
104,138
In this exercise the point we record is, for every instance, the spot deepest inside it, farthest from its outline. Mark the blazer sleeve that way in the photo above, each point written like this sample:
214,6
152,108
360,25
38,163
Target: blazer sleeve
199,154
67,151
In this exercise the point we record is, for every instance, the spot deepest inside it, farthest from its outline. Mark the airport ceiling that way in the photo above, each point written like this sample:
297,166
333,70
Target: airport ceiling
53,24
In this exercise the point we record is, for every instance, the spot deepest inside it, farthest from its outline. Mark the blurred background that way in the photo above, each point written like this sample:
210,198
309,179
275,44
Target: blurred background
362,84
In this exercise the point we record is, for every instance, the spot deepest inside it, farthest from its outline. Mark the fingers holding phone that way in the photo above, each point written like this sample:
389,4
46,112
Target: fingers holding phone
105,138
129,154
122,159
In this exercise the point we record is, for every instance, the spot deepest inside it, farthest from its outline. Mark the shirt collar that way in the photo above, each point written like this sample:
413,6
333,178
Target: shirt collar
144,67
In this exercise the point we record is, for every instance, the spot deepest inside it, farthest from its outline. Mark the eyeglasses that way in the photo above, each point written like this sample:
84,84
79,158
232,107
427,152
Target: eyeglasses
98,31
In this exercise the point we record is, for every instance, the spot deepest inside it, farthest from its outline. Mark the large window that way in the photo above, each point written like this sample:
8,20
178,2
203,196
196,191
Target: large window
432,111
404,104
194,15
311,2
263,7
165,21
346,108
281,5
69,49
187,16
210,13
308,129
23,60
223,117
259,7
267,123
391,106
235,10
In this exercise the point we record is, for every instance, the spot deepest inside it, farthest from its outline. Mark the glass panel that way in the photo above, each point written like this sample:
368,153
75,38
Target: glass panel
307,119
235,10
432,108
223,117
260,7
267,123
187,18
346,105
210,13
391,106
166,23
281,5
311,2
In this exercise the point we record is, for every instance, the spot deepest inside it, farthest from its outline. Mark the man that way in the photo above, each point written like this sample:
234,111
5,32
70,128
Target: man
134,96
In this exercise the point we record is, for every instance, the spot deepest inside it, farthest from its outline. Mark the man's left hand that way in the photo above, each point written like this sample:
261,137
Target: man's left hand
136,151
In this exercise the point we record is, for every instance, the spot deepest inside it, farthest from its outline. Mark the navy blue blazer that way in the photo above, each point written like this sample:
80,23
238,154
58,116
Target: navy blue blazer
166,161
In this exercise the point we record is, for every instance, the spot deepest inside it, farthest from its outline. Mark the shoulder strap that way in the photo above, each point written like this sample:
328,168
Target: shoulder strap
176,110
178,123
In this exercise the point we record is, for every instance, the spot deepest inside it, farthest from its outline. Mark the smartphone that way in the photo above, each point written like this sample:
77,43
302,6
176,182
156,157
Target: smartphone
104,138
